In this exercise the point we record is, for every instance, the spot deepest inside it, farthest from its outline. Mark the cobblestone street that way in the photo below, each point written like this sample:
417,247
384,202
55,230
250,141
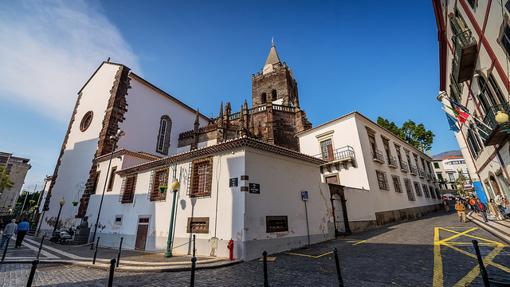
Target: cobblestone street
398,255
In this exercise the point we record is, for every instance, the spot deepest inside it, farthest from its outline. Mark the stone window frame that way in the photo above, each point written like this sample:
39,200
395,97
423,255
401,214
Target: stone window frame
396,183
425,189
86,120
129,188
197,225
111,178
163,139
282,226
409,189
159,178
417,188
195,179
382,180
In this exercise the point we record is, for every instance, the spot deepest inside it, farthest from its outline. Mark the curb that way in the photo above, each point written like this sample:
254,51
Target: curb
129,268
492,230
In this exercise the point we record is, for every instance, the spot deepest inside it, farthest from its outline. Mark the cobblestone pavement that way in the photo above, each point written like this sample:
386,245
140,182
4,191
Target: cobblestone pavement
399,255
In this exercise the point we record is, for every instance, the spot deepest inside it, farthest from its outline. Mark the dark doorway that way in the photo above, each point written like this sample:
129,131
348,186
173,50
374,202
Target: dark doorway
141,233
339,208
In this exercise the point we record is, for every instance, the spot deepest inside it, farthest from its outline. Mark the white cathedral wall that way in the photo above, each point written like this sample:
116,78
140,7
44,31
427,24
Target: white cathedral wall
142,119
281,181
81,147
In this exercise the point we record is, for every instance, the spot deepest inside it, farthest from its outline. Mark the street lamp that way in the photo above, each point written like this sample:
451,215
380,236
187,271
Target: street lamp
175,187
61,203
501,117
114,139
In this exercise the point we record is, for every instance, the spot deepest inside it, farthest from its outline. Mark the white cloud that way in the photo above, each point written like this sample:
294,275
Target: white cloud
49,49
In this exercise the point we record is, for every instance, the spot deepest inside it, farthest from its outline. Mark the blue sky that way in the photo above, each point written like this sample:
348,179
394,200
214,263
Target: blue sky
346,55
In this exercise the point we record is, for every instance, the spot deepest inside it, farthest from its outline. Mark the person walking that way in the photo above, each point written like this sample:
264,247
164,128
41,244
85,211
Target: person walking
472,205
482,209
23,228
461,211
9,231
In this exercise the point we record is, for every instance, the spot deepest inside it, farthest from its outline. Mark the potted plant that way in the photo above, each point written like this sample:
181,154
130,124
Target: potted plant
163,188
75,203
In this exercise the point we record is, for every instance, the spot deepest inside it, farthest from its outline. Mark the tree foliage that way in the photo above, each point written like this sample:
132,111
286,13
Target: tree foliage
5,181
415,134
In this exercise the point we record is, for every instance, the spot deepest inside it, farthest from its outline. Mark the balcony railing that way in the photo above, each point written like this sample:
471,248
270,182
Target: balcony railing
465,51
414,169
377,156
403,166
392,161
493,133
339,154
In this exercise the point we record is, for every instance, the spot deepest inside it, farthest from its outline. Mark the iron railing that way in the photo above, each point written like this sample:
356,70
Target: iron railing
462,39
377,156
490,120
342,153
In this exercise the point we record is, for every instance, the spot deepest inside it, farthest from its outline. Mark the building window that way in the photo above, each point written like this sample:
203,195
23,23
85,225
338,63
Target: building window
86,120
432,192
159,185
417,188
486,97
504,38
396,183
112,178
201,177
263,98
474,143
382,180
473,4
277,224
373,144
496,89
327,149
436,165
129,189
165,127
198,225
333,179
409,189
426,190
439,176
273,95
118,220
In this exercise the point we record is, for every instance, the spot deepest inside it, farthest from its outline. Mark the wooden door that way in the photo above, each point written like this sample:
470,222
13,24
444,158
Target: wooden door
141,233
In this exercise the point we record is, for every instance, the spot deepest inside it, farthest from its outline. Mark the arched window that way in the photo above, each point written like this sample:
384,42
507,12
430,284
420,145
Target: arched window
165,127
263,98
273,95
486,97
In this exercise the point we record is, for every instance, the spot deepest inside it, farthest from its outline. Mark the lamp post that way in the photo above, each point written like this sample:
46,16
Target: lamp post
114,139
61,203
175,187
501,117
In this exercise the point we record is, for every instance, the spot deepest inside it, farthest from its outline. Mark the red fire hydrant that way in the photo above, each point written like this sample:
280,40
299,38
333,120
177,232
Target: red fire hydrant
230,247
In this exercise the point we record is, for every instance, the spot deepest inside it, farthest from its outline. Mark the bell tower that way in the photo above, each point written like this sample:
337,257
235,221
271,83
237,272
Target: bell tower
275,83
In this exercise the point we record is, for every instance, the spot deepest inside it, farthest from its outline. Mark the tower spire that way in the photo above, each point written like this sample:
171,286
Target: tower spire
272,59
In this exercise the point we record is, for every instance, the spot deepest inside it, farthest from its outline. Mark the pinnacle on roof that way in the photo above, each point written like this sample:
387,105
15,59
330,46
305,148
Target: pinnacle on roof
272,58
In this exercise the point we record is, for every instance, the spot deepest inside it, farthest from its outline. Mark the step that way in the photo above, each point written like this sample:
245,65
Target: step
501,234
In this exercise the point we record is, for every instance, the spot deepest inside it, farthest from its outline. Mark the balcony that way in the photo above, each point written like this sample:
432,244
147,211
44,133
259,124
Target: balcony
403,166
414,169
465,51
377,156
343,154
494,133
392,161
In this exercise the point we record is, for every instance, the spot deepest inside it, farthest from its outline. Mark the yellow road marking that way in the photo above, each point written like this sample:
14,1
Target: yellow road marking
359,242
472,236
476,270
310,256
497,265
457,234
438,261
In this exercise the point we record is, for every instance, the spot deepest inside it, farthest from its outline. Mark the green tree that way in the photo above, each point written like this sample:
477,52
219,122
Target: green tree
415,134
5,181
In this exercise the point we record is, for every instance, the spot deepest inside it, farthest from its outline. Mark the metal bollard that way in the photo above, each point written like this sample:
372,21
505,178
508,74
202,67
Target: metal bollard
5,249
95,251
264,256
32,272
194,236
40,246
483,271
338,272
193,267
120,250
112,270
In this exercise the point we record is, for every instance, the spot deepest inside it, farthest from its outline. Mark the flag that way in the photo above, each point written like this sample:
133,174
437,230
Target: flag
452,122
460,112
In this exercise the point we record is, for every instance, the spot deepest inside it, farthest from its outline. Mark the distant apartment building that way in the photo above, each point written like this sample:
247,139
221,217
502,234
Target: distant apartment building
16,168
474,46
384,178
448,166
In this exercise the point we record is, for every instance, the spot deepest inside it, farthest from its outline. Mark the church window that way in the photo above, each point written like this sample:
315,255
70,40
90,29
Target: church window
165,127
198,225
263,98
159,185
273,95
277,224
201,178
86,121
129,189
112,178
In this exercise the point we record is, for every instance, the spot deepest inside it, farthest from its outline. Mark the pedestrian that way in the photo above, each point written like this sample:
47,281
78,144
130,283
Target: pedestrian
482,209
461,211
9,231
23,228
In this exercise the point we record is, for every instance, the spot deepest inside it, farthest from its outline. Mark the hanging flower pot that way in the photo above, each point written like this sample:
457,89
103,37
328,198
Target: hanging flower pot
75,203
163,188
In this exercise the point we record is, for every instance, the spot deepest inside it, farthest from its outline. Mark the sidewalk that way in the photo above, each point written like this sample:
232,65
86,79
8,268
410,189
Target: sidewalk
499,228
130,260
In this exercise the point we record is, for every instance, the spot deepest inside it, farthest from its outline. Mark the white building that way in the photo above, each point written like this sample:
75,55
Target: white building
448,166
384,178
474,49
16,168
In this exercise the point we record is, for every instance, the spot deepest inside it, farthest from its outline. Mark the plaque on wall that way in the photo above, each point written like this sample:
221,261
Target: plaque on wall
255,188
233,182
